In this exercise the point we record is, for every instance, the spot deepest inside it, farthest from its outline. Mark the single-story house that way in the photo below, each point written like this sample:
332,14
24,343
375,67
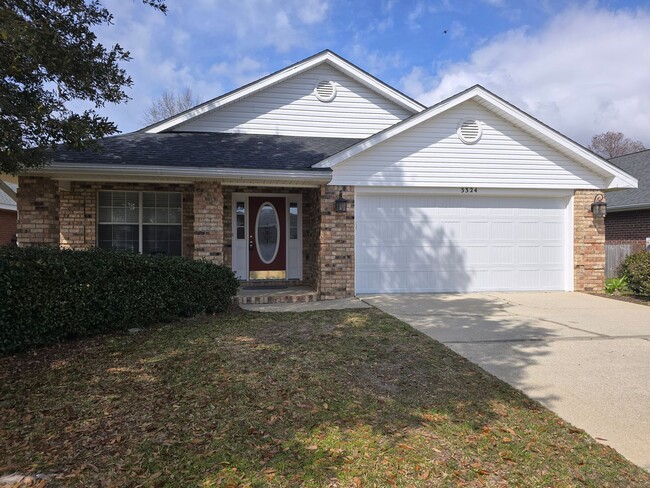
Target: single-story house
322,175
628,211
8,213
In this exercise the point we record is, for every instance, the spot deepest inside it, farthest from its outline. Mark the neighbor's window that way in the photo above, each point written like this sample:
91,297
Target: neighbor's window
146,222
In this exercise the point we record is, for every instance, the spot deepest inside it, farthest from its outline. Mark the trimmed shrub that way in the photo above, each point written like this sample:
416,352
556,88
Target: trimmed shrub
636,269
49,295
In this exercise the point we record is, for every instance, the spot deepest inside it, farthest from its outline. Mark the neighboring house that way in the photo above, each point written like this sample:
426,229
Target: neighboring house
627,225
7,213
320,174
628,211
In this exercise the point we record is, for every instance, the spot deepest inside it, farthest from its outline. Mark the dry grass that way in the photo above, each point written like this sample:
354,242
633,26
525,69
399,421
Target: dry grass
341,398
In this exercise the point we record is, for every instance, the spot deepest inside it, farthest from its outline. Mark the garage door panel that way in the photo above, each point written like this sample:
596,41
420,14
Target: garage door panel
445,243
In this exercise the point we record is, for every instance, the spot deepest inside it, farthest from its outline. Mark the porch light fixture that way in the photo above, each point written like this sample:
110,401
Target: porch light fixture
341,204
599,208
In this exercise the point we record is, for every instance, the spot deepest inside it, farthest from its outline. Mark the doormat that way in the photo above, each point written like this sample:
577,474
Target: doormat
266,287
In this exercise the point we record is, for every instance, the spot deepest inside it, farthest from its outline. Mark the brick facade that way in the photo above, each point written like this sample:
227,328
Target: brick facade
207,230
7,227
589,244
38,211
336,254
628,227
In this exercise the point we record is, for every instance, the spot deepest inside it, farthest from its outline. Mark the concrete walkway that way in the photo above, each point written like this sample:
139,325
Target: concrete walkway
587,358
341,304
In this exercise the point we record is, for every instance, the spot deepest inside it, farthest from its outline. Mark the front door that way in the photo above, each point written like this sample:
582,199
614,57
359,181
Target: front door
267,256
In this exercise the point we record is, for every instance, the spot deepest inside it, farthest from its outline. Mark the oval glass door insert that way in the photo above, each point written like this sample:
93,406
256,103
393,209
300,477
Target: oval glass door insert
267,233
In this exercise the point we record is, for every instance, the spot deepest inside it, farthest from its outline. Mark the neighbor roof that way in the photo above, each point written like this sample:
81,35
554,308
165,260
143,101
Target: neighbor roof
6,202
638,165
325,56
207,150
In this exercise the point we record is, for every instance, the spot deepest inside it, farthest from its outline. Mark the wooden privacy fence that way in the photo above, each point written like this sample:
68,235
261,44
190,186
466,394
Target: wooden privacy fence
614,256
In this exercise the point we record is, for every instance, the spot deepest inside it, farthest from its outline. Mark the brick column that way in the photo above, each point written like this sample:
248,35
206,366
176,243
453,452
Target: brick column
588,244
38,212
336,253
77,216
208,221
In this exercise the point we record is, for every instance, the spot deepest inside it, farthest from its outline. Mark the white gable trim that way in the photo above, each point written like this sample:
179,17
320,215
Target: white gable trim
614,177
300,67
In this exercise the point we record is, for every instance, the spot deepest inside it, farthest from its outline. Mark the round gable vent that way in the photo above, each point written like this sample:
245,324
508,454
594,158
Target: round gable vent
325,91
469,131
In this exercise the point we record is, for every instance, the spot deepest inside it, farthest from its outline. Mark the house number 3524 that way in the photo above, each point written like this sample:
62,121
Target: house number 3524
469,190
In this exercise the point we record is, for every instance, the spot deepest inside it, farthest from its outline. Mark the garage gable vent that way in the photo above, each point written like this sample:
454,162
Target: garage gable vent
469,131
325,91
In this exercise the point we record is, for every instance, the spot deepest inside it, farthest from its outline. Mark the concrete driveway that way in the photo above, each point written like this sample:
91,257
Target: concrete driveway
586,358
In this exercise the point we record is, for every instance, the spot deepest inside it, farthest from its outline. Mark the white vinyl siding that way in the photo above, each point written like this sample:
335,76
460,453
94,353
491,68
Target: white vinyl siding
461,243
290,108
431,155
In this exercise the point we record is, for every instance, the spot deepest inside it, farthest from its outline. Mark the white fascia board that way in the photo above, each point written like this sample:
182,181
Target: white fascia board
86,171
614,177
625,208
6,206
284,74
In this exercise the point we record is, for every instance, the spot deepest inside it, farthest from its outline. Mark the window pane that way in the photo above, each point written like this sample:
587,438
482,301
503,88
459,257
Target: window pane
148,215
293,220
175,200
104,214
105,198
118,237
240,233
175,215
162,216
161,239
148,199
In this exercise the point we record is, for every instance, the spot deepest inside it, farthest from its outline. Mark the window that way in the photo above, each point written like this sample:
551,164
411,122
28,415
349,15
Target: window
146,222
293,220
241,220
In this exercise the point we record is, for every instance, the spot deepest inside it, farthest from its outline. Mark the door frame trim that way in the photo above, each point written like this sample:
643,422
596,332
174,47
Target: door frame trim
242,269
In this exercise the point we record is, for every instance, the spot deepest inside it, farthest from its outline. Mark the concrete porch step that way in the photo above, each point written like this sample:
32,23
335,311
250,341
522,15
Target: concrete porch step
290,294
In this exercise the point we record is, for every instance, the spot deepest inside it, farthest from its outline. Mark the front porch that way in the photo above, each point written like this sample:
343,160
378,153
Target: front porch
281,234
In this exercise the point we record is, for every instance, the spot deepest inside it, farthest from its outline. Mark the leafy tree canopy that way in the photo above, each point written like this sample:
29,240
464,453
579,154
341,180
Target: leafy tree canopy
612,144
50,56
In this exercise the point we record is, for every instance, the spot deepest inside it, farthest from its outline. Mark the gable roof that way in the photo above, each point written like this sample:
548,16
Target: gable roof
206,150
638,165
614,176
7,201
325,56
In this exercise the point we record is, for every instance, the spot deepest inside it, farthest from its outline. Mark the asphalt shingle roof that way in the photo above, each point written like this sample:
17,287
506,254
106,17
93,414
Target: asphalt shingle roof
209,150
638,165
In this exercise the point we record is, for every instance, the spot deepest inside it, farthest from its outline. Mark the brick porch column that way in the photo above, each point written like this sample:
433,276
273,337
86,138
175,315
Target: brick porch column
589,244
336,253
38,212
208,221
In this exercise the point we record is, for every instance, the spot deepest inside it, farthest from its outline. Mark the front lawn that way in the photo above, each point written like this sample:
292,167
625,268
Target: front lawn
340,398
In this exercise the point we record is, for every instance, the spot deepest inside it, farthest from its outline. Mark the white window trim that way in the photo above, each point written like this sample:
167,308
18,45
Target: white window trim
140,215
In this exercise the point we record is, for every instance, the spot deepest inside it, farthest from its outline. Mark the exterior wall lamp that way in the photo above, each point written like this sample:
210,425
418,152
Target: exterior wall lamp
599,208
341,204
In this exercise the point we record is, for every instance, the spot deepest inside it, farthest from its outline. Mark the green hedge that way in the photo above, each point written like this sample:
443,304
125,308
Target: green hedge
48,295
636,269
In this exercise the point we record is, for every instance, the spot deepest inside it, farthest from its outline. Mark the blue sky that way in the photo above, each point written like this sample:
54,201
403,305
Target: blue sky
581,67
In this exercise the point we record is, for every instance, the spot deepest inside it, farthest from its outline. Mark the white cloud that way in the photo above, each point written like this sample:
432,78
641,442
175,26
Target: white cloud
583,73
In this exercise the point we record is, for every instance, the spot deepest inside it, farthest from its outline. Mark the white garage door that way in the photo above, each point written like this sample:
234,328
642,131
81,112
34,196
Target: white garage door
459,243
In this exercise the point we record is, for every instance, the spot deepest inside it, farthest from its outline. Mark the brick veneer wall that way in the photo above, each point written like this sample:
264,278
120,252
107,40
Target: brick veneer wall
38,211
629,227
589,244
208,221
7,227
336,257
75,212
